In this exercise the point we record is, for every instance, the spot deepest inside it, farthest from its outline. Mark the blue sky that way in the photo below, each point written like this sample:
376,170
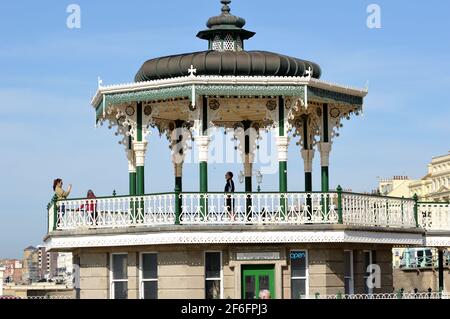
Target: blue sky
48,73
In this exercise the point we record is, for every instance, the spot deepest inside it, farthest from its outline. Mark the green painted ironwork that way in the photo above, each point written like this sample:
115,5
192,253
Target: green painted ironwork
416,209
55,212
325,179
133,182
282,166
339,205
185,91
325,188
308,181
140,172
332,97
178,199
326,133
441,269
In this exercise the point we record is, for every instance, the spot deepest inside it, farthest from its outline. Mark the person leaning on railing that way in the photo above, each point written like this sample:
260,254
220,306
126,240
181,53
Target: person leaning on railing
90,206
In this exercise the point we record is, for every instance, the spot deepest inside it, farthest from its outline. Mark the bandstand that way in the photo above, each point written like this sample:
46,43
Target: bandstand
192,244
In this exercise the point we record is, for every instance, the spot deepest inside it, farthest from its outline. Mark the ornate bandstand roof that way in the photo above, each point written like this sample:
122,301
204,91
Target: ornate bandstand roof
235,84
226,63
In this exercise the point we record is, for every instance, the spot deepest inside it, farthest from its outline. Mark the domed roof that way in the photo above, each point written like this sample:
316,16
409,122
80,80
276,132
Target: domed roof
226,55
227,63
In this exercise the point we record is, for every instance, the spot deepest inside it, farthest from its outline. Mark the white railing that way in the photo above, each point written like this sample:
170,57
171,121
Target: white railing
434,216
396,295
259,208
116,212
369,210
245,209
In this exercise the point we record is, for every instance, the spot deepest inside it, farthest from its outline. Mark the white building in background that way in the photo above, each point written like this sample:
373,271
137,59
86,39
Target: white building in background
65,267
435,186
398,186
2,269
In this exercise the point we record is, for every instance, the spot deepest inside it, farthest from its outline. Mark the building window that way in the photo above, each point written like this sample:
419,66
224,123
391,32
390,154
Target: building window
369,259
348,272
299,274
149,276
213,275
119,276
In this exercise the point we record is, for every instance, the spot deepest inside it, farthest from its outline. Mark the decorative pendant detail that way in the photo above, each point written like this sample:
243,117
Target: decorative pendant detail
130,111
271,105
214,104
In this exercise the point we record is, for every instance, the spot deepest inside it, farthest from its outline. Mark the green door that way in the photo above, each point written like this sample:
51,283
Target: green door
256,278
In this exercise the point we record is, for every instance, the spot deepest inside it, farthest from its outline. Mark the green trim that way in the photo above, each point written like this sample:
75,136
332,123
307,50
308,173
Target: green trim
326,133
325,179
305,132
441,269
203,177
133,183
378,196
416,209
257,271
308,182
205,116
139,121
339,205
140,173
333,97
187,192
248,189
203,186
178,200
282,166
281,116
55,216
185,91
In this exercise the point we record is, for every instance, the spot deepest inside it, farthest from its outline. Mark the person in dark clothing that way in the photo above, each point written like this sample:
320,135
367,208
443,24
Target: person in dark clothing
229,188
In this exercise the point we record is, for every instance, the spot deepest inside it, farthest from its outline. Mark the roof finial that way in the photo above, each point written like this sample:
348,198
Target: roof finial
225,8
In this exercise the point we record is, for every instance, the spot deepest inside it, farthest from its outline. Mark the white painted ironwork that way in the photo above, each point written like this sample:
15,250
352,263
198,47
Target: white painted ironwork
395,295
259,208
434,216
116,212
369,210
246,209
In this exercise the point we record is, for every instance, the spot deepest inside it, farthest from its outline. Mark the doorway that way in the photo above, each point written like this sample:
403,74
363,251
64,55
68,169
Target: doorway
256,278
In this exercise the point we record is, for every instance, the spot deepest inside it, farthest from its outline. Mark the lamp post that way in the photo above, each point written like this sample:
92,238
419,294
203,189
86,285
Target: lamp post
259,178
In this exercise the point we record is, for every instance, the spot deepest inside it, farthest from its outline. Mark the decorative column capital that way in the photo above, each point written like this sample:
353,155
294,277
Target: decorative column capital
248,169
283,145
324,149
140,148
308,156
178,167
131,161
203,146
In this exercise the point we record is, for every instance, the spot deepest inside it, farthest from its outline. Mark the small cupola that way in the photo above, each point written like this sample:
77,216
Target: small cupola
225,32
